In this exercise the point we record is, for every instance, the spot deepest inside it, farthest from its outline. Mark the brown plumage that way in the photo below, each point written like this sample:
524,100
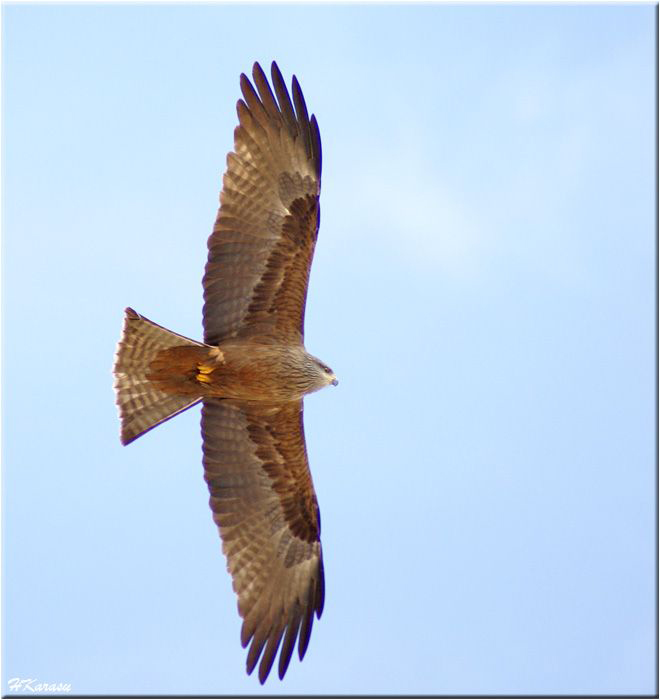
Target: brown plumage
252,371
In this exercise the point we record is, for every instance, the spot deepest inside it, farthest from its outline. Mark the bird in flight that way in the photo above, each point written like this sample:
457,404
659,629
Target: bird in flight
251,372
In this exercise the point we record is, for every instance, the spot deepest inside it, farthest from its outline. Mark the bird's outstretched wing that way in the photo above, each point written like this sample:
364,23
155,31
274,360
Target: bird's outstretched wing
260,252
263,503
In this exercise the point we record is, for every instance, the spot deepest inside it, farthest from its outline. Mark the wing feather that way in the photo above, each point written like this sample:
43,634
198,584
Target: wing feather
265,93
264,505
270,652
254,104
317,156
262,245
289,640
301,113
283,98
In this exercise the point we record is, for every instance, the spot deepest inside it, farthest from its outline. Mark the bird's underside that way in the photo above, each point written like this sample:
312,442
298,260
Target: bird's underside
237,369
251,372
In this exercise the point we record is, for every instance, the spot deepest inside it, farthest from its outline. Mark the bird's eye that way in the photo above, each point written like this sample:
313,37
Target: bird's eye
327,369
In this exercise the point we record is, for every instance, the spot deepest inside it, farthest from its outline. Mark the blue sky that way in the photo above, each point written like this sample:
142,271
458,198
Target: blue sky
483,287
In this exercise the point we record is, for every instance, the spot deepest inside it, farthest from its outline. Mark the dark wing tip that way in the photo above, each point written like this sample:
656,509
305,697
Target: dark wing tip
241,109
297,628
270,652
289,641
269,644
317,154
262,103
299,101
246,86
306,626
258,642
320,591
265,93
258,73
283,98
274,68
302,115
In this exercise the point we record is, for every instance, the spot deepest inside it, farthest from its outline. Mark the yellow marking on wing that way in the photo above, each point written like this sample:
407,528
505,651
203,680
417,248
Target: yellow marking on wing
205,369
204,378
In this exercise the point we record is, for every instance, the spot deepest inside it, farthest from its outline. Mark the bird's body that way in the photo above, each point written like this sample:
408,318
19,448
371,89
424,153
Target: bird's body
251,372
242,370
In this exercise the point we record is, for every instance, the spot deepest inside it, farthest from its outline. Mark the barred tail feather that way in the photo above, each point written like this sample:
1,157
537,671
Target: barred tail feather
142,406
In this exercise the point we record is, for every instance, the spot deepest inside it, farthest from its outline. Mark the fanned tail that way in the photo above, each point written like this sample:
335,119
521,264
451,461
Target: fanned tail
142,404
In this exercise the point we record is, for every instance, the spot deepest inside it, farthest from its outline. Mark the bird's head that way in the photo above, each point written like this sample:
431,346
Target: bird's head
329,375
322,374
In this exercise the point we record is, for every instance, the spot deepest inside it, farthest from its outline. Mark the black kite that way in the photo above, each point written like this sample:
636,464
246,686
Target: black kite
251,372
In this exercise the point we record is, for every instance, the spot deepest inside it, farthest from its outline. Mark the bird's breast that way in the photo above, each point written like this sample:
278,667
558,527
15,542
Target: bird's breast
252,372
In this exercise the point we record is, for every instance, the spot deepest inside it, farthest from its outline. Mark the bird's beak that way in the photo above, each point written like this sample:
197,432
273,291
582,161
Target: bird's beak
335,381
